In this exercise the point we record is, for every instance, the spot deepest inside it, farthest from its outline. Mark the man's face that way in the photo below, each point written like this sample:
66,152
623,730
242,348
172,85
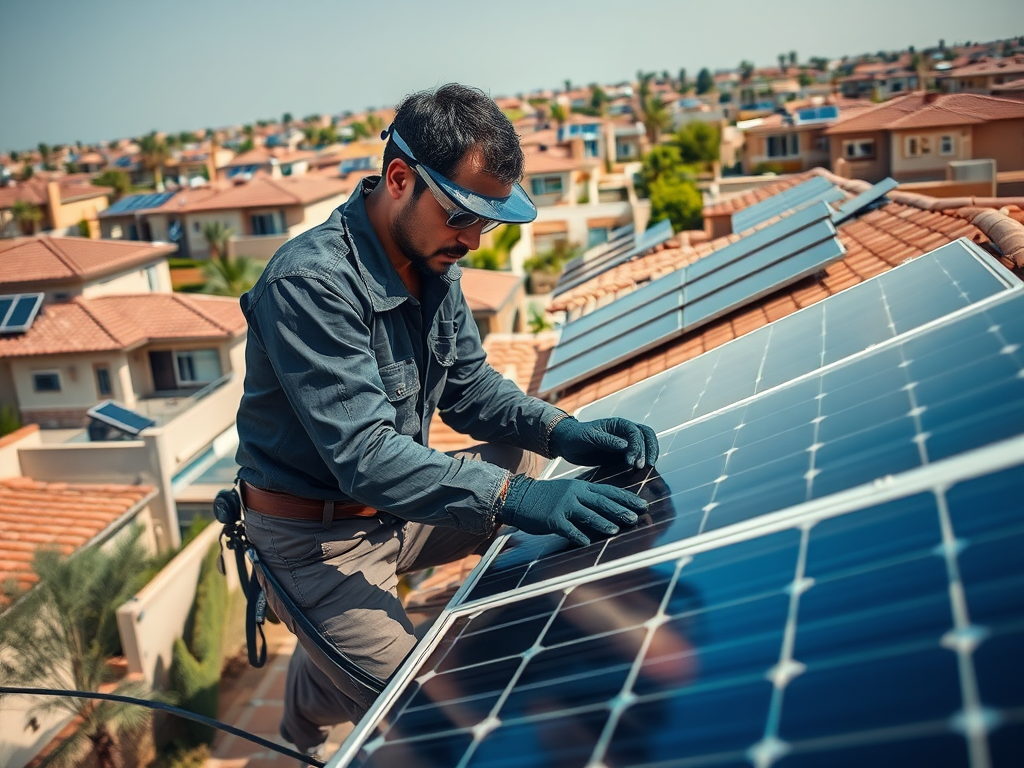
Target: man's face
420,228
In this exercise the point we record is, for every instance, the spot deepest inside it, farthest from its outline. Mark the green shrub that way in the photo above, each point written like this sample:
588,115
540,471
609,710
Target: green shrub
10,421
196,658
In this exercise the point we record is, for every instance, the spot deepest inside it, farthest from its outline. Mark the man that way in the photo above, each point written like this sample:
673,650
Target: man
358,334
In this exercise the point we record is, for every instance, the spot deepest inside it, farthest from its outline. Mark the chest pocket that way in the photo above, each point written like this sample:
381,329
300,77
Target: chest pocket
401,380
443,344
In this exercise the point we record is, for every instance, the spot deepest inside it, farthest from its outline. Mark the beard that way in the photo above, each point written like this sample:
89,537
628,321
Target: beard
401,232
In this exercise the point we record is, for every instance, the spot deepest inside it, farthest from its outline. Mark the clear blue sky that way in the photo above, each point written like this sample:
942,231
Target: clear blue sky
112,68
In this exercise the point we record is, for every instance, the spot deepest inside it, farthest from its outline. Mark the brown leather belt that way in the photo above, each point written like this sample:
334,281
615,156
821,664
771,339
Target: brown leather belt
276,504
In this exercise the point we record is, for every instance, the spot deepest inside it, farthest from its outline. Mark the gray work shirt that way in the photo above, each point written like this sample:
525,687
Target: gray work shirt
344,370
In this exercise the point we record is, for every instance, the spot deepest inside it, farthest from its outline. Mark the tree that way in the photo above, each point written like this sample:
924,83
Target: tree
27,171
698,142
46,156
678,200
154,153
655,118
27,216
705,82
374,123
286,119
61,634
558,113
782,62
598,100
805,79
359,130
662,160
568,84
684,83
792,58
327,135
217,234
746,70
232,276
495,257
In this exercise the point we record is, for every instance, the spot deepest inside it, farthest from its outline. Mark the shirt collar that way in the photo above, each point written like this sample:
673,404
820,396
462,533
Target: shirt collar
386,288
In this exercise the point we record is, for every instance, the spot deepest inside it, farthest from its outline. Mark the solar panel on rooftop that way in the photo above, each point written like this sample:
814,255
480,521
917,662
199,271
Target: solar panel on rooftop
618,252
783,253
865,199
18,311
119,417
814,190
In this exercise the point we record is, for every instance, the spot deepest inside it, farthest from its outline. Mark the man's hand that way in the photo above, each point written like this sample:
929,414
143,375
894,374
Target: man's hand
574,509
604,442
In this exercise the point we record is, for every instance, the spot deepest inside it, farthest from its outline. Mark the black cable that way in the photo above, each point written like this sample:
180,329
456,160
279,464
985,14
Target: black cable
302,758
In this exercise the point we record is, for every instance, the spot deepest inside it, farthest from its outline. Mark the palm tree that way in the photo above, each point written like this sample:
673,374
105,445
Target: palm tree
154,152
60,636
217,234
655,118
230,276
558,113
27,216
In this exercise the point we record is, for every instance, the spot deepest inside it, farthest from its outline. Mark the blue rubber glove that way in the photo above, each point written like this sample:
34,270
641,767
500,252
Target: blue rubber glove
604,442
574,509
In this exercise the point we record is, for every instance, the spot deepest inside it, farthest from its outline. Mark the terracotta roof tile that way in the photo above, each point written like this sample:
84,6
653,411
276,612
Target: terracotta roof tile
123,322
44,258
487,290
64,516
258,192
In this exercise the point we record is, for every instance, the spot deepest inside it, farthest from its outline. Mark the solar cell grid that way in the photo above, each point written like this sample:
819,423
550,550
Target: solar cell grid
915,400
887,632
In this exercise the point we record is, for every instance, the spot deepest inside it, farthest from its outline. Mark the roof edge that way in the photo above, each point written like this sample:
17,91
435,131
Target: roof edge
1001,229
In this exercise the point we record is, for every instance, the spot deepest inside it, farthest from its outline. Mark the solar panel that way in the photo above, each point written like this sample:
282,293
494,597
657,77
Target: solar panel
120,418
882,633
613,256
617,236
138,202
816,189
18,311
865,199
740,436
778,255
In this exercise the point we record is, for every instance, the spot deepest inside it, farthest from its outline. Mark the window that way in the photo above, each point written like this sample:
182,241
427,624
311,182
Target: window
267,223
859,149
625,149
590,148
197,366
546,185
946,145
103,386
784,146
596,236
46,381
915,146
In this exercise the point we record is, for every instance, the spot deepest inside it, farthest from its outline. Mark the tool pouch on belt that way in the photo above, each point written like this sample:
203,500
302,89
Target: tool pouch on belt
227,508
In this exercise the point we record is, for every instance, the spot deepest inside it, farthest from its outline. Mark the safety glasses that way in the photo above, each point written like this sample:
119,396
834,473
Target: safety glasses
466,208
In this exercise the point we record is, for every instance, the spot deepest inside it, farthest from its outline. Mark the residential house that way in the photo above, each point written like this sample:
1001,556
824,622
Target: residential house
263,213
91,162
130,218
276,161
197,165
62,268
984,76
579,200
64,200
914,138
792,141
880,80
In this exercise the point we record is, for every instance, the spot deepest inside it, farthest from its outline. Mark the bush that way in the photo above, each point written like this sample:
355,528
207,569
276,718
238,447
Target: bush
196,659
761,168
552,260
10,421
678,200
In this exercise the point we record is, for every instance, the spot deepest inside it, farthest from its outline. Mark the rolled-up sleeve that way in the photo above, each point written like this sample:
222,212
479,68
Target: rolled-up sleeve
320,350
480,402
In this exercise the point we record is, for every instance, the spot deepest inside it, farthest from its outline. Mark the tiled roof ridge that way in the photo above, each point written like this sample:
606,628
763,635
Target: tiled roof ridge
1006,232
193,307
62,256
83,303
273,182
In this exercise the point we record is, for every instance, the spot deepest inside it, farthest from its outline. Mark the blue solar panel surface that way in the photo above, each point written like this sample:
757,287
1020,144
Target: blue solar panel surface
868,197
18,311
906,402
888,635
120,417
814,190
777,256
138,202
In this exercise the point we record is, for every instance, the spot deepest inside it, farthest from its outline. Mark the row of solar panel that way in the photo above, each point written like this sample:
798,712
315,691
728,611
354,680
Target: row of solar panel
804,435
783,253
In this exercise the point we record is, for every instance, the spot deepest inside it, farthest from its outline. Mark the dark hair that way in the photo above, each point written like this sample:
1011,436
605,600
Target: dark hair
441,125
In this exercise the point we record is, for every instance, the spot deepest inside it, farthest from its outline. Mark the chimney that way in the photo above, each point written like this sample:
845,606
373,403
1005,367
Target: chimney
53,203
